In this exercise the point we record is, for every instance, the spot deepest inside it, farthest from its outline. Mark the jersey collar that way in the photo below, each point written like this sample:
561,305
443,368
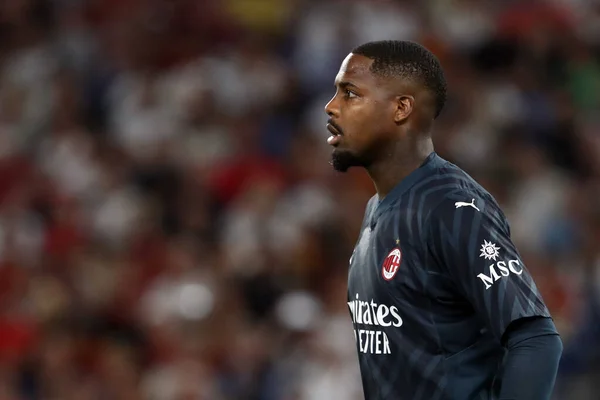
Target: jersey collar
431,162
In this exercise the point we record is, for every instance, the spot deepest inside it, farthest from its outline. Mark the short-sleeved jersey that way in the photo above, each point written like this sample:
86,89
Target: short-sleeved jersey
433,283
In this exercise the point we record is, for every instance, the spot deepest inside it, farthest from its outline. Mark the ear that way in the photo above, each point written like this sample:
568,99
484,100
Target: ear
404,107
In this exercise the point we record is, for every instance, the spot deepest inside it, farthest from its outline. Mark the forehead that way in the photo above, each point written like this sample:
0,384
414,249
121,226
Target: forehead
355,69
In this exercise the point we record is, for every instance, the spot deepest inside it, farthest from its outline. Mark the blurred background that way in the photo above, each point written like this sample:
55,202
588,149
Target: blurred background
170,228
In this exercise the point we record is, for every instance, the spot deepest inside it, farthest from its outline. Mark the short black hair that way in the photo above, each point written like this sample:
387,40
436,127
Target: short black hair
408,60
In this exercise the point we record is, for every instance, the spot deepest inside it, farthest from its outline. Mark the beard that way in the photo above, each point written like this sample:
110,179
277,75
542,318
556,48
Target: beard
342,160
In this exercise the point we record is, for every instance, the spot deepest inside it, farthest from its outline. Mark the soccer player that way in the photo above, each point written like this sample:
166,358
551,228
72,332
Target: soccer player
441,302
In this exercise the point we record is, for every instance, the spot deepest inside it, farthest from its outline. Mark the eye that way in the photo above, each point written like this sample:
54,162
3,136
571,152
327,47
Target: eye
350,94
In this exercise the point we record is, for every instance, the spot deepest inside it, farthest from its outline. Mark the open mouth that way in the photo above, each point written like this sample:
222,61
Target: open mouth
335,135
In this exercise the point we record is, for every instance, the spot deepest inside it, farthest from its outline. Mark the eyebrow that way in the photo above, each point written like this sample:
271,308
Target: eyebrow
345,84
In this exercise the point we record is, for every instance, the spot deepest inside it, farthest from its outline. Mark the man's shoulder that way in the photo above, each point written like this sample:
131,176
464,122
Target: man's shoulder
453,179
452,188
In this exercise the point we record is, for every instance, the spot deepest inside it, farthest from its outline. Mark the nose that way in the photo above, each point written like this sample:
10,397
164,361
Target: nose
331,108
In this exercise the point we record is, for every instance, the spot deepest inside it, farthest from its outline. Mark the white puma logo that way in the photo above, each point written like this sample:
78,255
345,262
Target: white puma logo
459,204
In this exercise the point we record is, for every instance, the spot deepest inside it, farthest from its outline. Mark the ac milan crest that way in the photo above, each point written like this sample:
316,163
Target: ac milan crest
391,264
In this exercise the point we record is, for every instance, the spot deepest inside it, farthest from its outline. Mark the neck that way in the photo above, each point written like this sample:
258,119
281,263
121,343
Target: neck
397,163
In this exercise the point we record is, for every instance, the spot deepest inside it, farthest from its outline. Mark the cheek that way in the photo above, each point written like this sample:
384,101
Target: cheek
368,119
382,119
363,121
360,115
381,112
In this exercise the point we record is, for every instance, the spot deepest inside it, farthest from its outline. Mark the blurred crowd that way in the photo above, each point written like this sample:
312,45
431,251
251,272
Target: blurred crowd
170,228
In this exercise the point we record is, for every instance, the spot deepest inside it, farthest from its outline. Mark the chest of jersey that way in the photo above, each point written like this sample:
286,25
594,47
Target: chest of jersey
391,273
388,262
387,298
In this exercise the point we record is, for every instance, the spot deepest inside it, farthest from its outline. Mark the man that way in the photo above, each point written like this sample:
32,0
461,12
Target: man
442,305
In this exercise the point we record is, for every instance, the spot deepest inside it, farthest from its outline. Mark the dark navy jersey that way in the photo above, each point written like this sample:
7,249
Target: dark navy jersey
434,281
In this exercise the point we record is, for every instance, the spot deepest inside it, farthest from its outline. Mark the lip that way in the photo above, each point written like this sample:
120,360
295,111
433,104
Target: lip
333,129
334,140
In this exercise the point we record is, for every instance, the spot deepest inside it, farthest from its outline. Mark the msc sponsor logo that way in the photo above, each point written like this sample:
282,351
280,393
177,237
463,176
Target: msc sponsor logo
490,251
505,269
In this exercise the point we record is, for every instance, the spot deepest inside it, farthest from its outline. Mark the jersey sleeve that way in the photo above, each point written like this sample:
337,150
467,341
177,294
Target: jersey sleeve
470,242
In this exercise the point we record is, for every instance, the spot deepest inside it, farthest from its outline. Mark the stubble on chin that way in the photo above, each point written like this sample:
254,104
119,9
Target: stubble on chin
342,161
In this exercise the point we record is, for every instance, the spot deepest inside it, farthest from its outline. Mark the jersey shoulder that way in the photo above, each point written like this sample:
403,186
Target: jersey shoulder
454,189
